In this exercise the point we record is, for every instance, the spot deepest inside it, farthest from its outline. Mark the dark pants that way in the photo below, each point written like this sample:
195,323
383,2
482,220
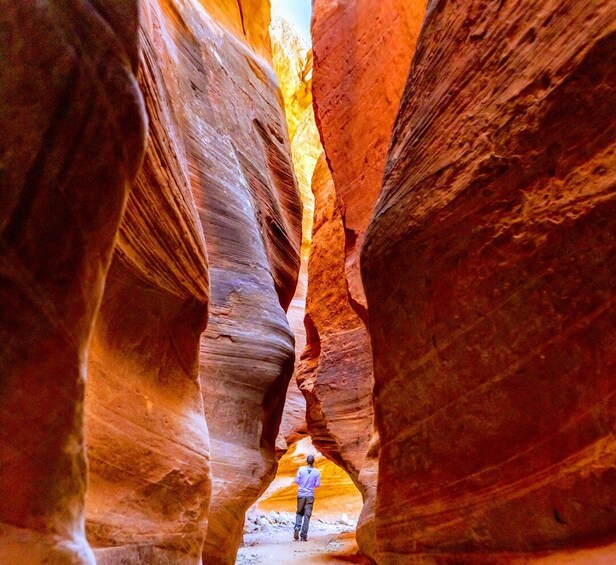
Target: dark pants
304,510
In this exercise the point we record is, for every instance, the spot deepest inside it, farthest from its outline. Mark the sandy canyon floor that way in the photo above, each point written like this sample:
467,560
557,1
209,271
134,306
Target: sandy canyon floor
268,539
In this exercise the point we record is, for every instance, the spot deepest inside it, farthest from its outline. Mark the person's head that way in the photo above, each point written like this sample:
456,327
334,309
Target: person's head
310,460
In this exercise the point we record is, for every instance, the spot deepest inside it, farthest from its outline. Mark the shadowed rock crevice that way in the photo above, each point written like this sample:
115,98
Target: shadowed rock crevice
429,191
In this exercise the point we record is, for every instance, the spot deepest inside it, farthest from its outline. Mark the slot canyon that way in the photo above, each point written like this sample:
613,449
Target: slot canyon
225,245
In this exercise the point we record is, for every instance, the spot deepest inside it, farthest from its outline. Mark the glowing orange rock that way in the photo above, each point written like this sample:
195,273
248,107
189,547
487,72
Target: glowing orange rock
72,140
362,53
489,272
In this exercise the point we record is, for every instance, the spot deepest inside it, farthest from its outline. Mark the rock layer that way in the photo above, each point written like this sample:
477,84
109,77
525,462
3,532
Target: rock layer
146,431
72,139
362,52
489,275
217,165
292,62
243,181
335,371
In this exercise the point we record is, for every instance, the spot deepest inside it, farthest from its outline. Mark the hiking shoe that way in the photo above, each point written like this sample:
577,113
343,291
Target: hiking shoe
304,539
296,534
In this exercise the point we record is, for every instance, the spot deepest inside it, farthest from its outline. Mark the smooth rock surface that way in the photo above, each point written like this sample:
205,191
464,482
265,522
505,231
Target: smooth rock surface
149,474
335,373
362,54
249,207
72,140
292,61
489,273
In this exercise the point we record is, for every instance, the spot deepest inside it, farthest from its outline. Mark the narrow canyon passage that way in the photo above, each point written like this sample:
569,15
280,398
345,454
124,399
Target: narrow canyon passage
238,233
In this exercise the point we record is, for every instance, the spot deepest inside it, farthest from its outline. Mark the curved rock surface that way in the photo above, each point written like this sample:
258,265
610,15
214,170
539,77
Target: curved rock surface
72,140
292,61
489,274
217,164
362,52
248,203
335,370
149,475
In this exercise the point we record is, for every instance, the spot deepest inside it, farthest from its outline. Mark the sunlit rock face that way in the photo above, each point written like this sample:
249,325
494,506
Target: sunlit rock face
336,496
149,476
292,61
72,141
250,210
489,273
362,54
335,370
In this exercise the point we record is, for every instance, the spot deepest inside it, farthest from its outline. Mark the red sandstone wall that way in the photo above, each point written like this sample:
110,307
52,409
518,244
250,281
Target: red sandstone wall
362,53
335,370
217,165
292,61
489,275
148,449
72,139
250,210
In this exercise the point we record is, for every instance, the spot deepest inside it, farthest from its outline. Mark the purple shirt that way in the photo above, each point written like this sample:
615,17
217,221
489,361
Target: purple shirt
307,478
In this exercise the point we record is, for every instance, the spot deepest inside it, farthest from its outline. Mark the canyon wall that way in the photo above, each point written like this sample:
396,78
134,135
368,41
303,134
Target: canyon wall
149,475
337,354
250,211
292,61
489,274
362,54
217,170
72,140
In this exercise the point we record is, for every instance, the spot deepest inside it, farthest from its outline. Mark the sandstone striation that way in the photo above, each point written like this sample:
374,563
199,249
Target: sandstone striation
335,371
362,52
489,276
292,62
149,476
72,140
249,207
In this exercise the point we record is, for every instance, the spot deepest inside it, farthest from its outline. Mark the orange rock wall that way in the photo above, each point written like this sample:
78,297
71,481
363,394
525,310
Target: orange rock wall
149,479
72,140
250,210
337,402
217,170
362,53
335,370
489,276
292,62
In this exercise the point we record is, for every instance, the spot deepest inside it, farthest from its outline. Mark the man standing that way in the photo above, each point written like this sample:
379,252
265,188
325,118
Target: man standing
307,479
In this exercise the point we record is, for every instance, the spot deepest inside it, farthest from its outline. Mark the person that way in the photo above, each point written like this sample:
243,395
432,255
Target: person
308,478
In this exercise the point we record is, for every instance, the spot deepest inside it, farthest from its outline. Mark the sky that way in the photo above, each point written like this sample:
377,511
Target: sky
297,12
